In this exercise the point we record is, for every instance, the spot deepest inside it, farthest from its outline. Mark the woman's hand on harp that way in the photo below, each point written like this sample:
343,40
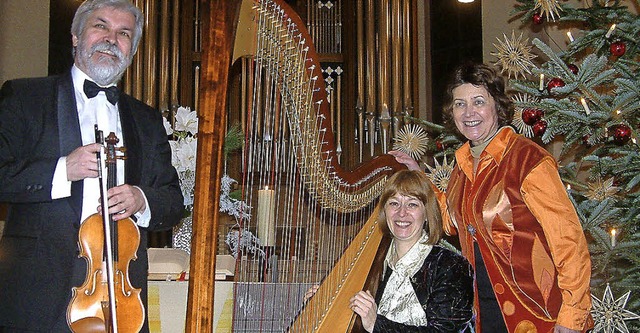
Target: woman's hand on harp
365,306
310,292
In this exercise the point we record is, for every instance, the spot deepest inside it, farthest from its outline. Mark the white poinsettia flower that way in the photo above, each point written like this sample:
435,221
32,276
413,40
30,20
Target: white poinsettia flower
186,120
174,148
167,126
185,154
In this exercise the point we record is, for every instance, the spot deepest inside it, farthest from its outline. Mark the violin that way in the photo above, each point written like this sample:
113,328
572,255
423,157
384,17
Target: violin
106,301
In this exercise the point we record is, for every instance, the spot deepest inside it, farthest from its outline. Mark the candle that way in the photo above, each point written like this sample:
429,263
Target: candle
541,88
613,237
585,106
266,217
610,31
570,36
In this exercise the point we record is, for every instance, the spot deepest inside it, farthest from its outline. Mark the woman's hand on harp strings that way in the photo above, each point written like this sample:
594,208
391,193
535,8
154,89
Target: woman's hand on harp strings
82,162
310,292
365,306
124,201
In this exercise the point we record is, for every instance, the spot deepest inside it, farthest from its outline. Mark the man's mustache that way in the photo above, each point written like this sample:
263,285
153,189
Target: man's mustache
107,47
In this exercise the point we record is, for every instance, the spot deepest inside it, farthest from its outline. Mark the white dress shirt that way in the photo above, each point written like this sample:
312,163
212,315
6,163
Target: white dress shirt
91,111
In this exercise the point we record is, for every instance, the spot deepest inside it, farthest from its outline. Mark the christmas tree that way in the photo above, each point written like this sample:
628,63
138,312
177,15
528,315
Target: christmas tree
590,102
584,99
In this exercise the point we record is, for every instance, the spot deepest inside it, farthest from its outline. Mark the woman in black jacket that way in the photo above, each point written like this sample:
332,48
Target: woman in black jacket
422,287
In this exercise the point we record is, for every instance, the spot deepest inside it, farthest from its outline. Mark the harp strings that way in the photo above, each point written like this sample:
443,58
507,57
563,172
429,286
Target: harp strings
289,151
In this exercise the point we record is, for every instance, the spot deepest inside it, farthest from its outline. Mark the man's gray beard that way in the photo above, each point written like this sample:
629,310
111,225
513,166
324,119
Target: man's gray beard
103,73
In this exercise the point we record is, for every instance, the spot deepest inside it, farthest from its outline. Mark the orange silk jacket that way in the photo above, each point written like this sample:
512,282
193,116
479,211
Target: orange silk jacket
517,210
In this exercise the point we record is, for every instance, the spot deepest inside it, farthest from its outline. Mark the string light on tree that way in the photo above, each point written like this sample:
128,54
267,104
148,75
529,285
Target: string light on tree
585,105
613,237
570,36
610,31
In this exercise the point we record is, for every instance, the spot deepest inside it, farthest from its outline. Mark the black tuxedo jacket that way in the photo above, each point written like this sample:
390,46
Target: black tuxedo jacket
39,260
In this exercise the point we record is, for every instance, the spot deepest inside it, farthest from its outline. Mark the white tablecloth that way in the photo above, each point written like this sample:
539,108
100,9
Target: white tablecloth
168,306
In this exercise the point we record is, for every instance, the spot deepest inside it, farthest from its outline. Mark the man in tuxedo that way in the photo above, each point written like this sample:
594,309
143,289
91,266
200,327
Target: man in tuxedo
49,169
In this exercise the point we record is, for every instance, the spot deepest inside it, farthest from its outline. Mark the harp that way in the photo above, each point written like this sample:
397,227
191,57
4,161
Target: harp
309,213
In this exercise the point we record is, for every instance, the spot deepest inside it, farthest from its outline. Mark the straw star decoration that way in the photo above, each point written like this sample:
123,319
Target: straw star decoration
548,8
601,190
440,174
514,55
610,315
413,140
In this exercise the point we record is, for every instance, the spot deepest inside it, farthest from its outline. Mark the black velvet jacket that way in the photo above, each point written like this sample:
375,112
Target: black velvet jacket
444,286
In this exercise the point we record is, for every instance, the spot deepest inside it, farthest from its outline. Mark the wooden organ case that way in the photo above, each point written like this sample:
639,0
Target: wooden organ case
311,221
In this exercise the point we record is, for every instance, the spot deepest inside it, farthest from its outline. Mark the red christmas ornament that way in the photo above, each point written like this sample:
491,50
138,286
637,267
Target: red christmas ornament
555,83
573,68
539,127
618,48
537,18
531,116
621,133
439,145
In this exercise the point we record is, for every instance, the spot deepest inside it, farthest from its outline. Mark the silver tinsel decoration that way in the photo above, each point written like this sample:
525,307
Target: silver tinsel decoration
238,209
244,241
182,234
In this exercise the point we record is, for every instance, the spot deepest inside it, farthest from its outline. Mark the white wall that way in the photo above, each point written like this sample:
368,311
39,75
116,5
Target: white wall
24,38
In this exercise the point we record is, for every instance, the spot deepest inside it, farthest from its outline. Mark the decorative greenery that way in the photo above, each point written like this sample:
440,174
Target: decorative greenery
184,144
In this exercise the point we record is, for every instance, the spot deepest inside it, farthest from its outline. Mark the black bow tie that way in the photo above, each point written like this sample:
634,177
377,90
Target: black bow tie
92,89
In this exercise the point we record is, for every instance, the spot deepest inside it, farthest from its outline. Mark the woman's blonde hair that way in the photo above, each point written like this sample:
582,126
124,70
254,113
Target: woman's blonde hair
415,184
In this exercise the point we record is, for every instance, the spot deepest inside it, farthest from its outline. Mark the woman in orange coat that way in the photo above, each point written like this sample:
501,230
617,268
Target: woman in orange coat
514,219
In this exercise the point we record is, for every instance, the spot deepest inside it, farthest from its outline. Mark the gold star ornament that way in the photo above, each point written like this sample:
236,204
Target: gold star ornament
548,8
514,55
601,190
413,140
440,174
